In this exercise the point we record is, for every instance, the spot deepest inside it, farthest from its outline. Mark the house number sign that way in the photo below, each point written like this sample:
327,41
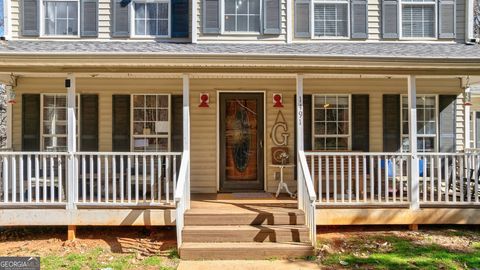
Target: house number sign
279,132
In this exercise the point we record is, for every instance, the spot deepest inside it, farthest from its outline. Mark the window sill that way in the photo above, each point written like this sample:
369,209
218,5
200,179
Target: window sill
330,38
225,33
59,37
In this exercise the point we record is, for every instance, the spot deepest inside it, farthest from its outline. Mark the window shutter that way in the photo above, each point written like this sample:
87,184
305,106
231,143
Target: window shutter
89,123
360,123
180,18
390,19
30,20
89,22
121,18
446,18
177,123
359,19
121,123
211,17
447,118
271,15
30,122
391,123
302,19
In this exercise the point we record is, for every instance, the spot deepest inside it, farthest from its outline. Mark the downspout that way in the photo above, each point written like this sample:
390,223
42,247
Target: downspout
469,39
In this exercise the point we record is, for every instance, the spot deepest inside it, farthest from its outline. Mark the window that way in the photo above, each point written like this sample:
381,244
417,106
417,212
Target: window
54,122
242,16
152,18
61,18
151,123
418,18
331,18
331,125
426,123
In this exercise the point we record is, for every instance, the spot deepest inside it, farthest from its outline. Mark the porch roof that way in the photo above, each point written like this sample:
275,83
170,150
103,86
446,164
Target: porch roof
347,49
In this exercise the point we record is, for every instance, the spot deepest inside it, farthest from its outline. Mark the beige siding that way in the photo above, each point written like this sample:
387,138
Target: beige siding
204,144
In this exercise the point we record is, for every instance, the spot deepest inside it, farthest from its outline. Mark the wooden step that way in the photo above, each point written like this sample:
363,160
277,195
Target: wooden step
279,217
246,233
244,251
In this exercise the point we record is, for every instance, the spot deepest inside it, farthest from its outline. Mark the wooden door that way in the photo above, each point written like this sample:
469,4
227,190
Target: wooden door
241,142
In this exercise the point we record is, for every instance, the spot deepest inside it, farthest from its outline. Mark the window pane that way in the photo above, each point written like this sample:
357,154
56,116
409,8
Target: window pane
319,128
242,23
418,20
331,20
163,27
254,23
162,115
331,115
242,7
162,101
319,143
254,6
230,23
162,10
150,115
138,128
330,143
342,144
150,101
331,128
140,11
61,10
230,6
343,128
138,101
320,114
343,115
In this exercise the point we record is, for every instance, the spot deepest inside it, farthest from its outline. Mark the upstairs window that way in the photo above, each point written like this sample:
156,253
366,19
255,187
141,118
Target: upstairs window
242,16
61,17
151,18
418,18
331,18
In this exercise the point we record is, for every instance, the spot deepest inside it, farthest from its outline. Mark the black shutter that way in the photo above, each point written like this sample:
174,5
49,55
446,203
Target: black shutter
360,123
30,21
89,123
121,123
271,23
390,18
447,128
179,18
177,123
89,22
391,123
30,122
121,18
211,16
359,19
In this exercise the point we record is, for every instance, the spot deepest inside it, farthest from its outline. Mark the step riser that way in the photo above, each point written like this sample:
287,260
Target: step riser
278,236
243,254
245,219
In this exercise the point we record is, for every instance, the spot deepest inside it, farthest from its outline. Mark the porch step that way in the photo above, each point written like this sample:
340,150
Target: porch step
244,251
284,216
246,233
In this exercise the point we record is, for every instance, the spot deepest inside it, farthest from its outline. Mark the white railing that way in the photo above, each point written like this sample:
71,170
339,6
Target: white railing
182,195
33,178
355,178
306,196
449,178
129,178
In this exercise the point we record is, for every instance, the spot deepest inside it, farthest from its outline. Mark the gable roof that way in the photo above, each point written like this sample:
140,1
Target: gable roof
317,49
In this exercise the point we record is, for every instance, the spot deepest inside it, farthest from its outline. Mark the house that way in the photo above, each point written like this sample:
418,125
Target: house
157,112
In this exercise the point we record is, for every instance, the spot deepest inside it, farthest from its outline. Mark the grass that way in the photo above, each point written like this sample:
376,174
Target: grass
100,259
402,253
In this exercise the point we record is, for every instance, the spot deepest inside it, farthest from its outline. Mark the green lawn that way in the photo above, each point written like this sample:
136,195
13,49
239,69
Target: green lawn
397,251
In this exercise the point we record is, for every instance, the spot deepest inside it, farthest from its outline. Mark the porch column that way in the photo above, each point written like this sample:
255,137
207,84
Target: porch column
186,129
9,143
71,139
412,140
300,136
466,135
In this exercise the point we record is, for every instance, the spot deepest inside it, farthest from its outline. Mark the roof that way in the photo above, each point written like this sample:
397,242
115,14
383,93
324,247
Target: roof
318,49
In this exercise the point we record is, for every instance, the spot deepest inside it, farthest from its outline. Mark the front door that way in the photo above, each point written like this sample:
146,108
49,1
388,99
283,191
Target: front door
241,142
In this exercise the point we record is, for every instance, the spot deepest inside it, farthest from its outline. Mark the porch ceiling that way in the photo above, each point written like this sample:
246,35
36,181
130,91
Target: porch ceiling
309,58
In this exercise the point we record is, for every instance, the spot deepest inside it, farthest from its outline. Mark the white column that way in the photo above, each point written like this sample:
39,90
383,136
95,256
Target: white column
186,129
71,139
412,140
300,136
9,143
467,120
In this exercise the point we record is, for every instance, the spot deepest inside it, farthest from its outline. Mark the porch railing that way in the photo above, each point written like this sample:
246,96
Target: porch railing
100,178
182,195
450,178
360,178
306,196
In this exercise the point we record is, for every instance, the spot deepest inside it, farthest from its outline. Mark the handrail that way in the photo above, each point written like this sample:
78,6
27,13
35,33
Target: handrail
182,176
307,175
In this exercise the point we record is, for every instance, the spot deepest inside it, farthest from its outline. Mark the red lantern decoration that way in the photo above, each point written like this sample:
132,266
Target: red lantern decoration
277,101
204,100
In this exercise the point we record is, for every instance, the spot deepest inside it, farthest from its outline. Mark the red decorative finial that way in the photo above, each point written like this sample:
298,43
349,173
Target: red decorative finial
203,100
277,100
